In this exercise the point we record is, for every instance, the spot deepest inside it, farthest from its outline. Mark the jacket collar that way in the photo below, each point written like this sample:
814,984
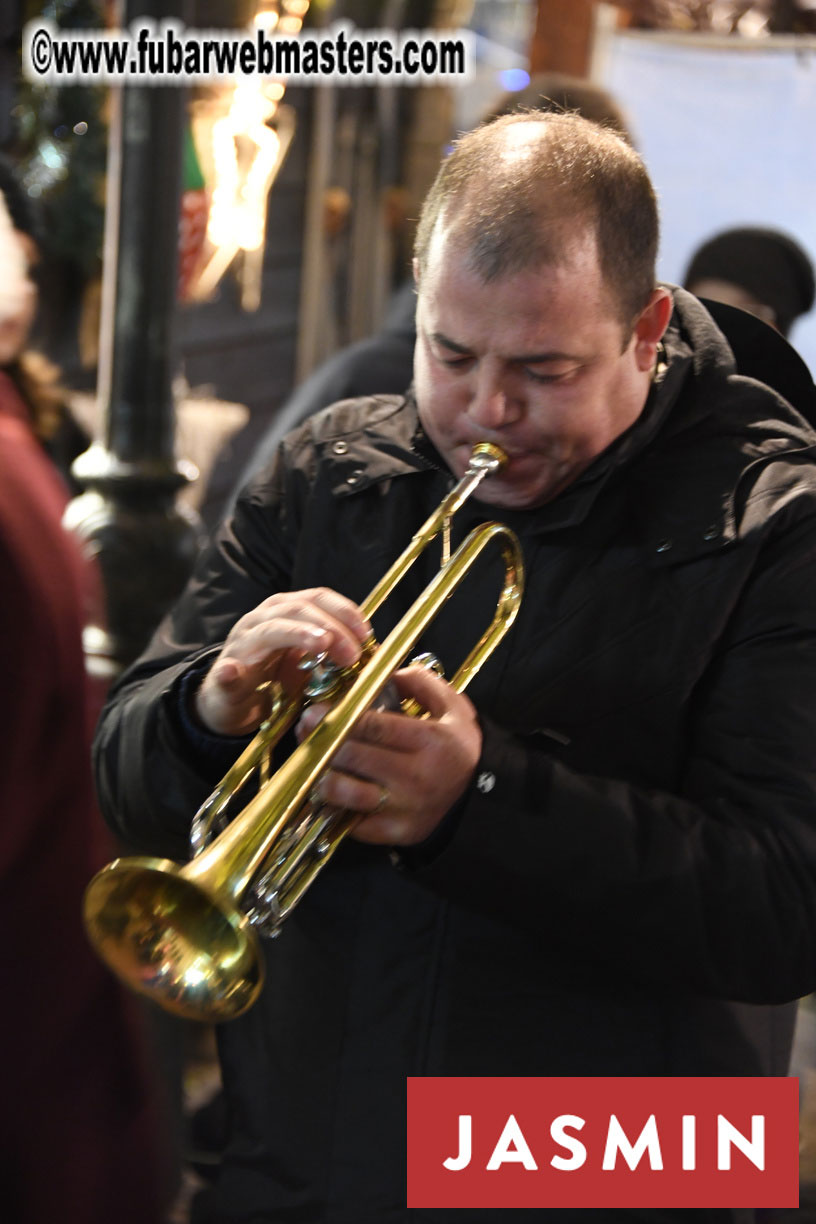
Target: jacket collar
367,441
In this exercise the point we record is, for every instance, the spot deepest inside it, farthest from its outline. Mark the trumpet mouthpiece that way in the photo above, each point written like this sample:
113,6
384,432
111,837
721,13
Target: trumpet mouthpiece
487,457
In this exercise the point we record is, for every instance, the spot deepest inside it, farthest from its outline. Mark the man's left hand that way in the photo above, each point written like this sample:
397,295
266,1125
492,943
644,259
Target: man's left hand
402,773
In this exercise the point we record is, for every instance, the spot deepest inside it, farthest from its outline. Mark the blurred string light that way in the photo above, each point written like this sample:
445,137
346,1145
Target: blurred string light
247,155
514,79
48,165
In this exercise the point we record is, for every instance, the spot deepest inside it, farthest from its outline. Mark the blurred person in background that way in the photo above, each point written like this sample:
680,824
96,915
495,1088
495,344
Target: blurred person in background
756,283
80,1135
762,271
35,377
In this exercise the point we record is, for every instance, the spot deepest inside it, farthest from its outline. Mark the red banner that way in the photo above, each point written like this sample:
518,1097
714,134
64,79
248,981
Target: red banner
603,1142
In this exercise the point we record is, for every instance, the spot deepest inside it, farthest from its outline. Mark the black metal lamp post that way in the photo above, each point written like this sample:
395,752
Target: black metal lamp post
127,517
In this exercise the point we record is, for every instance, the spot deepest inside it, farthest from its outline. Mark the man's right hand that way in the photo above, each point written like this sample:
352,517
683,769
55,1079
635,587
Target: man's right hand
267,644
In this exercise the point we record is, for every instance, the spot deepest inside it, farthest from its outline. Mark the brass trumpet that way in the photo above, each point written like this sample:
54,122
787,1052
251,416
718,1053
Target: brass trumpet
183,935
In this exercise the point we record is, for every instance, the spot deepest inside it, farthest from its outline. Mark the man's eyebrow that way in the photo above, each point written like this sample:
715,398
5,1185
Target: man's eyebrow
447,343
542,358
521,359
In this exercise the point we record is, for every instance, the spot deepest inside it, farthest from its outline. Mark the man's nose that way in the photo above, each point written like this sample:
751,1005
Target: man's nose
492,405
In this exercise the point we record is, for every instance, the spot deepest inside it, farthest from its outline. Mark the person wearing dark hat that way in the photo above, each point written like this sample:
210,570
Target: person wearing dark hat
759,270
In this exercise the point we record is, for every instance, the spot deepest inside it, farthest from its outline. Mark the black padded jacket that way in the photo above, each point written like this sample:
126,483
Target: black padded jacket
629,888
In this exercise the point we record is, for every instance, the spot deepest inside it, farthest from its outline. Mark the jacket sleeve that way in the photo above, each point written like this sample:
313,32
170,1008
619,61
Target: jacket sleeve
150,778
711,888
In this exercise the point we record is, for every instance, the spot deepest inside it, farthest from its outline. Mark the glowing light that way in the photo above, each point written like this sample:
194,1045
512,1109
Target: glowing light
246,156
238,209
514,79
266,20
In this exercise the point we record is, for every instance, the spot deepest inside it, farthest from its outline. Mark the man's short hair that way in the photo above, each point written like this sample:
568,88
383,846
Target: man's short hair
512,191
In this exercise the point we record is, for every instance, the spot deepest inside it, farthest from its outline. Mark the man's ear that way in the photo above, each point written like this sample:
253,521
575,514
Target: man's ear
650,327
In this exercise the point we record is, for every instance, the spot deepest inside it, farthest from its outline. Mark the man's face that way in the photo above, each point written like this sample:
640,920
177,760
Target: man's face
538,362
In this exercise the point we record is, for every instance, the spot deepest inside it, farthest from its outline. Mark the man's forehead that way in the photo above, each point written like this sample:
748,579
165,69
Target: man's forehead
450,252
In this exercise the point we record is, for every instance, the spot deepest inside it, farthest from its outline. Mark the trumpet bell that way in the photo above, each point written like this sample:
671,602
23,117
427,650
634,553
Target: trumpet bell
168,938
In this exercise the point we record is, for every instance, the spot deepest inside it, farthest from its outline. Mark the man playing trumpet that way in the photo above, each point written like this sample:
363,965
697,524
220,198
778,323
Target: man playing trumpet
601,860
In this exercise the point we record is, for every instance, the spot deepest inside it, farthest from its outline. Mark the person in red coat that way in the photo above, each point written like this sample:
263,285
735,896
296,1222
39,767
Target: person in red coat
79,1134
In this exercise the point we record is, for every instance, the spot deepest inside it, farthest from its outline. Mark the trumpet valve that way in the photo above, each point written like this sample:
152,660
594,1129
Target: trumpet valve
327,681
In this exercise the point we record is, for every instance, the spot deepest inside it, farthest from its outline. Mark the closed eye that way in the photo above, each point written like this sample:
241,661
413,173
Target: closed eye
448,353
559,376
455,361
